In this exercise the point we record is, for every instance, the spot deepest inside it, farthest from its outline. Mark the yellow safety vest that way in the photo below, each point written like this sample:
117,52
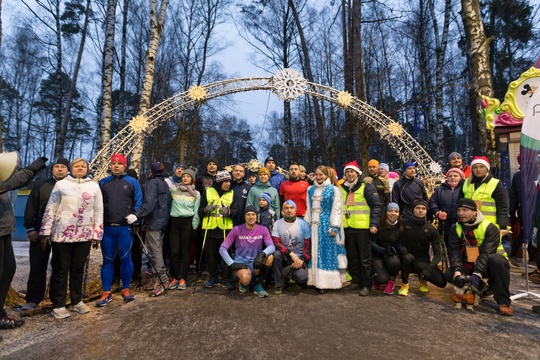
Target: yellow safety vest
358,212
479,234
214,219
483,195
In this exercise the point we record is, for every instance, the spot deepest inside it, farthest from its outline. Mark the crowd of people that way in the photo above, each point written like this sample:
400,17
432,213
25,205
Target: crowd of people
259,232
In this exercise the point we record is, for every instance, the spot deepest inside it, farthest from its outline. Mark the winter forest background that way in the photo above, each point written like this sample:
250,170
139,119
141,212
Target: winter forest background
75,72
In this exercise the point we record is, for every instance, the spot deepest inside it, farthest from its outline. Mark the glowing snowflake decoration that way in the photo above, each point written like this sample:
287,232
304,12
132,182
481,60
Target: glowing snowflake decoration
139,123
344,98
228,168
254,165
289,84
197,93
434,167
395,129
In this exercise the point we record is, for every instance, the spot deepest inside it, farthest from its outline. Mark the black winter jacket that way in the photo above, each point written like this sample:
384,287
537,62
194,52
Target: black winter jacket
156,206
36,203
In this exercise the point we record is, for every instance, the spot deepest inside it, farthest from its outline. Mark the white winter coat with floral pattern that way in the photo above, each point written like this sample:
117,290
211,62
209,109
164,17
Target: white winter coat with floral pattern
74,212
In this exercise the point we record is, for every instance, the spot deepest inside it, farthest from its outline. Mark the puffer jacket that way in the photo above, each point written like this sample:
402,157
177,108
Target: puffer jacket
18,180
156,206
256,191
74,212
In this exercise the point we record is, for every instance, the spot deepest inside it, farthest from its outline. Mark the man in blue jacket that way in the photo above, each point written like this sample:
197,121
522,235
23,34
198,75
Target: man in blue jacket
155,209
122,196
275,177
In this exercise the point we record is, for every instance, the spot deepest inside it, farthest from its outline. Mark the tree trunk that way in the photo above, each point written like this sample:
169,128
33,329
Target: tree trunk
122,75
1,119
58,146
73,86
309,74
107,76
478,51
157,22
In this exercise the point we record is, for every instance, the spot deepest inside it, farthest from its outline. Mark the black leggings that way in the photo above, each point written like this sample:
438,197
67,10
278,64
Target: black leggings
180,243
410,265
385,268
7,269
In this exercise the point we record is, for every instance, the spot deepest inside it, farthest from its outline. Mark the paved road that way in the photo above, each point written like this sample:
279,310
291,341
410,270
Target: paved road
219,324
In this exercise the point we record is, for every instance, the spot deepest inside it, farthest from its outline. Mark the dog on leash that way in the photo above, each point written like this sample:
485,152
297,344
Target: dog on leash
464,294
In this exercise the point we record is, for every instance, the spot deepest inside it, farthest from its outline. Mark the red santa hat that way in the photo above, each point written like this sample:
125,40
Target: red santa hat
352,165
480,160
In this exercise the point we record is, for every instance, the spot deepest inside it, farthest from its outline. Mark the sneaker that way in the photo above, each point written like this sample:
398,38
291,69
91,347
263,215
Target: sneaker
160,289
106,298
404,291
174,284
347,276
229,285
182,284
28,306
389,289
150,285
81,308
423,286
376,285
8,322
211,283
127,296
259,291
365,291
278,290
243,288
60,313
506,310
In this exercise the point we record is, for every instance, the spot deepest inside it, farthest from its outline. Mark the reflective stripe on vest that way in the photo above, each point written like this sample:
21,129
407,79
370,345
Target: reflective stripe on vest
483,194
359,211
214,219
479,234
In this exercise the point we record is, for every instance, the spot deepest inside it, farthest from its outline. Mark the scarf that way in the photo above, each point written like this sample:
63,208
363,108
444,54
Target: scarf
189,188
351,185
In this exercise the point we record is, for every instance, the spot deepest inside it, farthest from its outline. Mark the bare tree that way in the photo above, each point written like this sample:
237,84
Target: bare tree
157,22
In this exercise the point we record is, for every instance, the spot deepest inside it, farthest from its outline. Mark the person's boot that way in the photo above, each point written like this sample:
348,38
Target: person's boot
365,291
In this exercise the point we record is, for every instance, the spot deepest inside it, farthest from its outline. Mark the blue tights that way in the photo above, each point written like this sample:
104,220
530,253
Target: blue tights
116,237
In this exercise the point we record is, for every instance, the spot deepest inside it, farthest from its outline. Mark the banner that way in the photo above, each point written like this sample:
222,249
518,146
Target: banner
529,149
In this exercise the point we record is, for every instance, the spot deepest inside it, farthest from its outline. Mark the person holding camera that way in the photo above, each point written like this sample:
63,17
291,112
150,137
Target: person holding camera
362,209
292,238
387,249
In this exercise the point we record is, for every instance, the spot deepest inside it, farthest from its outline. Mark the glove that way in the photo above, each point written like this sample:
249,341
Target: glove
38,164
224,210
131,219
424,275
209,208
237,266
475,283
95,243
259,260
460,281
45,240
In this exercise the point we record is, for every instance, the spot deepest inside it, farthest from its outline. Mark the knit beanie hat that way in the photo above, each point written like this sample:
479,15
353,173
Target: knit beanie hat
461,173
119,158
373,162
266,196
223,175
132,173
250,208
62,161
190,173
384,166
290,202
209,160
409,164
417,202
352,165
157,167
467,204
393,175
264,170
270,158
454,155
392,206
480,160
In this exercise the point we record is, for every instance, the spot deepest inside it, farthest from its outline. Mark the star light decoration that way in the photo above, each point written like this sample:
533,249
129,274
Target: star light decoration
197,93
139,123
344,99
289,84
435,167
395,129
